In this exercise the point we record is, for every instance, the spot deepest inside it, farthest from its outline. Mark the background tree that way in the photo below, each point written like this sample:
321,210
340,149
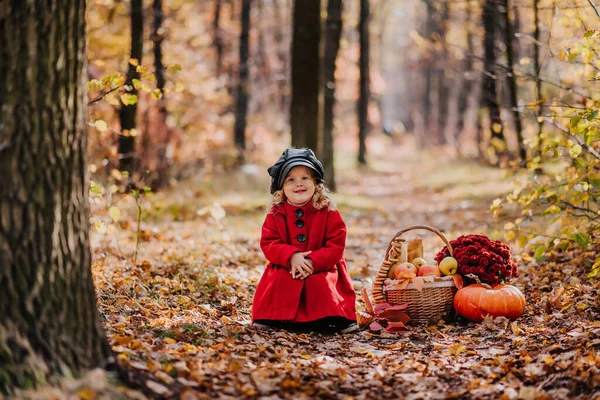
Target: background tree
241,109
512,79
49,322
218,35
489,92
127,112
441,65
537,67
164,161
304,110
364,90
332,45
468,76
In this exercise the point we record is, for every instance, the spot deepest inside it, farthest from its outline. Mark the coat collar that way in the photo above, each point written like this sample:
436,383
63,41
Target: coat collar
289,209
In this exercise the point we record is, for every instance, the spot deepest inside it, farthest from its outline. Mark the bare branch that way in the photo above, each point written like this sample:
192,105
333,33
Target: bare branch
594,7
577,138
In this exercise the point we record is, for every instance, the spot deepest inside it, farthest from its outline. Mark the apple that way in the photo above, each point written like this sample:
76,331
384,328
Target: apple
392,271
418,262
449,266
405,270
430,270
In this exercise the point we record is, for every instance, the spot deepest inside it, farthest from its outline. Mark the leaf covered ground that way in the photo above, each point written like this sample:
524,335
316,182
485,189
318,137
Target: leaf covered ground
179,320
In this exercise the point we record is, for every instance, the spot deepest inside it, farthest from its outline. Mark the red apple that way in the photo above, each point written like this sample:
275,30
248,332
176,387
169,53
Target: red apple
430,270
405,270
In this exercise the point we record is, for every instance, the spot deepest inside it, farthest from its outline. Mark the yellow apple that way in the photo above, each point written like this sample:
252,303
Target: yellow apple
418,262
392,272
449,266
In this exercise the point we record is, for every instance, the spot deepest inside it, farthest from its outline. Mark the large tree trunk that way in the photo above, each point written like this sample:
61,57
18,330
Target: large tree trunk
241,107
49,322
364,92
489,94
512,80
304,111
332,45
127,112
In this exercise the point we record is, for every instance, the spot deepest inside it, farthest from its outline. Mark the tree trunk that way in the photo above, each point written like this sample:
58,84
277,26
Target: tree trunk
332,46
241,107
467,81
364,92
428,77
443,83
262,64
512,80
164,160
304,110
127,112
49,323
281,37
537,68
489,95
217,36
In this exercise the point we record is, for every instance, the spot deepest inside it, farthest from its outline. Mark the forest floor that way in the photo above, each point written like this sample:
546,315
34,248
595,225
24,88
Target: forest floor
179,318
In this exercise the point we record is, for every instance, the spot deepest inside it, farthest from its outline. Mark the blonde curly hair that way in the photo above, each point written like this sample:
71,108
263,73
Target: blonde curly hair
321,198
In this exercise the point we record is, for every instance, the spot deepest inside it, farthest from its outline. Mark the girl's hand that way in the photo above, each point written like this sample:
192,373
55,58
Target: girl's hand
301,267
312,268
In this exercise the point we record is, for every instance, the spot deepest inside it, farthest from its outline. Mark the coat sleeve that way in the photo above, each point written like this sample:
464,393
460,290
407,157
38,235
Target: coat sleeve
326,258
272,244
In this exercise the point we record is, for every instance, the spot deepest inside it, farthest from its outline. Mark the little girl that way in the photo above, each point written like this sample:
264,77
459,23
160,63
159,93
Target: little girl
306,285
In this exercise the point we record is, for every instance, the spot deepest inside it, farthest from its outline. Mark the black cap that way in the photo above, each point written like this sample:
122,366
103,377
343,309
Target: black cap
292,158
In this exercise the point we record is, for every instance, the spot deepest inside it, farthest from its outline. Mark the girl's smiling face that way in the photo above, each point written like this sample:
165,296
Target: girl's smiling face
299,186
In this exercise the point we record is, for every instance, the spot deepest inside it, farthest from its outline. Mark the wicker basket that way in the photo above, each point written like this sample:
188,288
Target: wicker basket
430,305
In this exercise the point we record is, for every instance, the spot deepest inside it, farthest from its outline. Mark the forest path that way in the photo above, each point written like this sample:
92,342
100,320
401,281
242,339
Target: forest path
181,316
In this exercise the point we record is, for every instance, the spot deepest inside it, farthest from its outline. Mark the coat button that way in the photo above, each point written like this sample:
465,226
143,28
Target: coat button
301,238
299,223
299,213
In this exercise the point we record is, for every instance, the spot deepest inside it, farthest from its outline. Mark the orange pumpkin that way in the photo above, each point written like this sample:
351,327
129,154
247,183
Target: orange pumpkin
474,302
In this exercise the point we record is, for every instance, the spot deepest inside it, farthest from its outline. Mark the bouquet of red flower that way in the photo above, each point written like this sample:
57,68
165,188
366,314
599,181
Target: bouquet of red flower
487,259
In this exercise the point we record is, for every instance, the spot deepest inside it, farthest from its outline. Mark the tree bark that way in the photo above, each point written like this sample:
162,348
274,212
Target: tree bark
283,54
443,83
489,93
512,80
426,103
217,35
364,90
49,323
332,46
304,110
164,160
241,108
467,81
537,68
127,112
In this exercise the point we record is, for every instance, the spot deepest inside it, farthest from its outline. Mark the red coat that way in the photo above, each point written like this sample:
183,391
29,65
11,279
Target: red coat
328,291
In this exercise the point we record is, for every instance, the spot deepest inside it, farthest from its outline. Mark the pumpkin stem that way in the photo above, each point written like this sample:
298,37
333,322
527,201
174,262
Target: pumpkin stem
476,278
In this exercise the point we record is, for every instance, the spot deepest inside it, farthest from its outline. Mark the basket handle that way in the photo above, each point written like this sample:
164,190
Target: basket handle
387,264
